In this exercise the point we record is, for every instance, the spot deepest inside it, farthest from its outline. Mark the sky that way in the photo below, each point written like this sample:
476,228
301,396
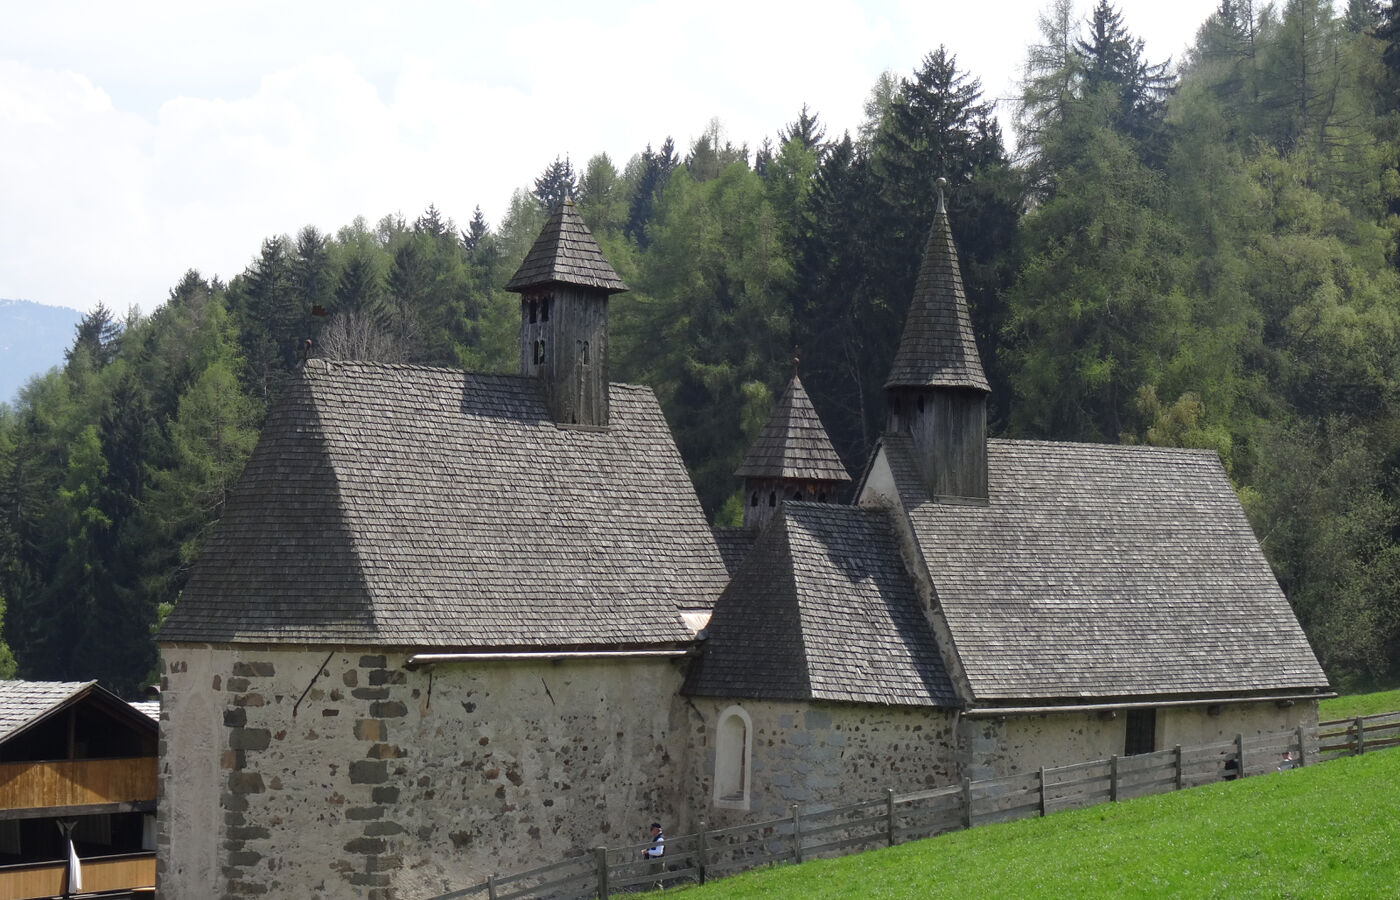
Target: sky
144,138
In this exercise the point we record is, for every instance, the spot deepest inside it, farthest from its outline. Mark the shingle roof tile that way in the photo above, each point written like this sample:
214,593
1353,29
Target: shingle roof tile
401,505
1105,571
822,608
793,443
565,253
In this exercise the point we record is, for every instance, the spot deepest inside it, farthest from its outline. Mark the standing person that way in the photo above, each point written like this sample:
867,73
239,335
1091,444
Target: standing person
658,843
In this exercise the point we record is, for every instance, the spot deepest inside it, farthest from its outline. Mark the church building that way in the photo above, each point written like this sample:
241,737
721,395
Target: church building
455,623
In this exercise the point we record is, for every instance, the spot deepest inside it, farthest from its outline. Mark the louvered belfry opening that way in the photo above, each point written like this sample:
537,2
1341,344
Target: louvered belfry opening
937,390
564,285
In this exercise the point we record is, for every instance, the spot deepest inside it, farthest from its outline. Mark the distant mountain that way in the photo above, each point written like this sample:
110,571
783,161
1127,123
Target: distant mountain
33,338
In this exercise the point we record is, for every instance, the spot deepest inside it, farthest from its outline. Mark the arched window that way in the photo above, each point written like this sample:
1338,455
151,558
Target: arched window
754,501
773,499
733,759
539,352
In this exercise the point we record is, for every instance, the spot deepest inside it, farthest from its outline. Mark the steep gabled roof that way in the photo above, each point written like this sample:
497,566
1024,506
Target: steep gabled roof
566,253
734,544
1099,571
408,506
937,347
822,608
793,443
24,704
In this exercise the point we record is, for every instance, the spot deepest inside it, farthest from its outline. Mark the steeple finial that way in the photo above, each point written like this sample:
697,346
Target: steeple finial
942,183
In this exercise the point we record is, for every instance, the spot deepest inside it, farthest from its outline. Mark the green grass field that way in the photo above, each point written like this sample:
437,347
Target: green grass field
1331,830
1353,705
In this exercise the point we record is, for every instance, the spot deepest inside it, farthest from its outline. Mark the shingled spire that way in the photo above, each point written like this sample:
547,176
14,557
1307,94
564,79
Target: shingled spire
936,390
791,459
564,284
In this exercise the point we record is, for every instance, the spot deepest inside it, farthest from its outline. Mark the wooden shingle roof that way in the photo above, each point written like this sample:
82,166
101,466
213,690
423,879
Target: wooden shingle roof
1099,571
407,506
566,253
793,443
24,704
937,347
822,608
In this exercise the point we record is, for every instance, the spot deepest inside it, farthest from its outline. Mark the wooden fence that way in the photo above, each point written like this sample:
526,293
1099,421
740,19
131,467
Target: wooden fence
806,834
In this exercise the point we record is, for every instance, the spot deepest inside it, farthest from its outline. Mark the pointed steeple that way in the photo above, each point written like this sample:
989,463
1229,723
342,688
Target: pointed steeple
566,253
791,459
564,284
937,348
937,391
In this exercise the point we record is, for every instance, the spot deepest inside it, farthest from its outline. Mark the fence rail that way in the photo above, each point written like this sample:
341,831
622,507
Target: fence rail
807,834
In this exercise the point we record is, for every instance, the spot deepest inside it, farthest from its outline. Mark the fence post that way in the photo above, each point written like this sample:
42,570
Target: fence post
491,887
1239,755
601,855
1360,735
1179,773
701,857
796,834
967,802
1302,746
1113,778
889,814
1042,791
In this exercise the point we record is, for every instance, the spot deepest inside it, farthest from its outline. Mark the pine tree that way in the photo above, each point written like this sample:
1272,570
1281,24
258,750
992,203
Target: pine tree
555,185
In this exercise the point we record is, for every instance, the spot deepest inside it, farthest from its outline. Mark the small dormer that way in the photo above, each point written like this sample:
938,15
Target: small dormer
564,284
791,459
937,391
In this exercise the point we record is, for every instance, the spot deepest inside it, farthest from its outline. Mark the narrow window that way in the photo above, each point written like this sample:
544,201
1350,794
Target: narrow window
773,499
585,353
1141,734
733,758
539,352
533,311
921,404
544,310
797,495
754,501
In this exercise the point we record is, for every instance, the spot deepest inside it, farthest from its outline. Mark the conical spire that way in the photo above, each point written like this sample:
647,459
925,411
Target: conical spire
566,253
793,444
937,348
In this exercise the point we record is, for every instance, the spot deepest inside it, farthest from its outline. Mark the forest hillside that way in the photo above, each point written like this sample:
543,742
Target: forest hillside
1193,252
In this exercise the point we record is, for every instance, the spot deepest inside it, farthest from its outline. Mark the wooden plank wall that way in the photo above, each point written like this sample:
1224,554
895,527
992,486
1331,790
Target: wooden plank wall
39,785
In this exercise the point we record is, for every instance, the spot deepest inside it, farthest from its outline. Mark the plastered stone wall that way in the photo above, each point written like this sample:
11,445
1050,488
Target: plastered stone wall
307,773
822,754
994,747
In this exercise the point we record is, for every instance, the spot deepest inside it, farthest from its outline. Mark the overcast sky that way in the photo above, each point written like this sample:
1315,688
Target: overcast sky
141,139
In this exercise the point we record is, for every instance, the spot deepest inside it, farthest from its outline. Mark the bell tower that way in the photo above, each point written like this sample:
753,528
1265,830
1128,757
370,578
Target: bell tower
937,391
564,285
791,459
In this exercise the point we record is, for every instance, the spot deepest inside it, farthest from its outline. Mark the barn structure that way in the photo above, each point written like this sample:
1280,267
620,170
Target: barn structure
455,623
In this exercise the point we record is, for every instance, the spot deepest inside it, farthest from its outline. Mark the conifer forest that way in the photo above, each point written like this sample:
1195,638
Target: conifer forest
1196,252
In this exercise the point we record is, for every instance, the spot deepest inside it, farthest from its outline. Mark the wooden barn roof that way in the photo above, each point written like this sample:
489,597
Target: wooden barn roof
407,506
937,347
793,443
822,608
1099,571
566,253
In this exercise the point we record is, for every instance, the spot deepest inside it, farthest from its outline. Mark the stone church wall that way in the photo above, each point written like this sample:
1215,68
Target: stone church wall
291,772
821,754
993,747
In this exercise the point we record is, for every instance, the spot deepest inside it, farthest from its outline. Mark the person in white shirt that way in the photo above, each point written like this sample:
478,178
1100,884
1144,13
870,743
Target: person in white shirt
658,843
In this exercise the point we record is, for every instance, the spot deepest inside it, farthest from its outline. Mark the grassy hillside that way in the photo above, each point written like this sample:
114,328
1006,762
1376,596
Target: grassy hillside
1331,830
1359,705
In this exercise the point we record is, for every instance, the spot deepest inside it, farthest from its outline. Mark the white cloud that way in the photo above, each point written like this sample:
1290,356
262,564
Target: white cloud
142,139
